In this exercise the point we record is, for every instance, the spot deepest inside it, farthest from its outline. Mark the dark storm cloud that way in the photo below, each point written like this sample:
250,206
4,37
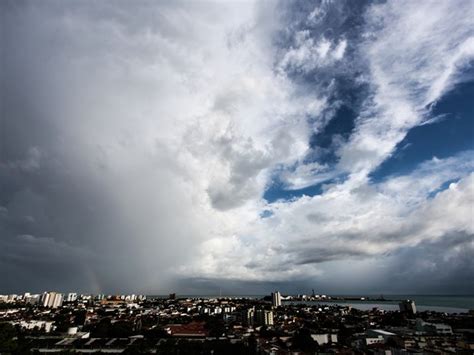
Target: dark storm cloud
123,126
320,255
67,100
442,266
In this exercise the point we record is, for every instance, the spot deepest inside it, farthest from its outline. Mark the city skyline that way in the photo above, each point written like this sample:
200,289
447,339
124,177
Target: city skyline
302,324
243,147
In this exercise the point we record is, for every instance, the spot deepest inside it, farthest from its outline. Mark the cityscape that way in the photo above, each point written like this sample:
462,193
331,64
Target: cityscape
218,177
53,322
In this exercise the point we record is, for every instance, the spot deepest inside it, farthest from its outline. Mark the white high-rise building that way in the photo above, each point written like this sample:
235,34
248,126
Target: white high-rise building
248,316
44,299
71,297
276,299
264,317
52,299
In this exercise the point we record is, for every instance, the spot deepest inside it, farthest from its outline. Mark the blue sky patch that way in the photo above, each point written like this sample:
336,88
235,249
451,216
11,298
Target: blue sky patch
442,187
278,192
266,214
452,134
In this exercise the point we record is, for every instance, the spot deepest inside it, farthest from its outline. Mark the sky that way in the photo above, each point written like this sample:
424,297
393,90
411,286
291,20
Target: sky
239,147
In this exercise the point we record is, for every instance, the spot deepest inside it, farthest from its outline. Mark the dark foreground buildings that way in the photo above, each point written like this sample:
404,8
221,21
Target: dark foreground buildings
131,324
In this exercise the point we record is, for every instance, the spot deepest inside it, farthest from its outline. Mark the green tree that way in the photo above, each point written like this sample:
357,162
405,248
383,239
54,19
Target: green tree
303,341
8,341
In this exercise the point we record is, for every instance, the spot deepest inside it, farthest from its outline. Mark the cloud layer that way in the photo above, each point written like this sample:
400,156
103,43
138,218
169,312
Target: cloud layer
138,141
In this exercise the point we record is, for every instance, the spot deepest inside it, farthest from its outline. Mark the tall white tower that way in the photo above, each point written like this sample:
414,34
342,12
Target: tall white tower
276,299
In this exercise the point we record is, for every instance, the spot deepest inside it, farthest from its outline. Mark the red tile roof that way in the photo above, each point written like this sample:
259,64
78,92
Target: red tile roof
193,329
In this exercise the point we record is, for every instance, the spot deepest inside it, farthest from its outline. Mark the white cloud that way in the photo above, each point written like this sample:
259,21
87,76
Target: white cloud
414,58
158,122
156,128
340,50
347,222
305,175
307,54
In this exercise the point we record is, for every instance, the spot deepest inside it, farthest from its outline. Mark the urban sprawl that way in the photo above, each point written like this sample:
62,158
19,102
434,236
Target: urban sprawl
59,323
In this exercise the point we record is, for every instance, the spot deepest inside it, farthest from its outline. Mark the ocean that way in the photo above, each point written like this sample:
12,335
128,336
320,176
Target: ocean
438,303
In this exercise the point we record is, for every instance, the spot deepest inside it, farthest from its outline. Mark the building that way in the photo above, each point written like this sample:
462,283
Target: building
190,330
433,328
376,333
52,299
71,297
248,317
32,299
407,306
325,338
276,299
263,317
45,326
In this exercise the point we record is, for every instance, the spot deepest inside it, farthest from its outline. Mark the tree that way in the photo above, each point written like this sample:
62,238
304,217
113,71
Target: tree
156,333
302,340
8,336
215,327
